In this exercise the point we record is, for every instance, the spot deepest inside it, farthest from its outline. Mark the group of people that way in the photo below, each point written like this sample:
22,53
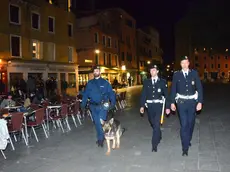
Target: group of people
186,95
36,85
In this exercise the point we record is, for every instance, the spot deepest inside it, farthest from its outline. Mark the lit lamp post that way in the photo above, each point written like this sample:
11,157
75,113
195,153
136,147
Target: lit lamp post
148,62
97,51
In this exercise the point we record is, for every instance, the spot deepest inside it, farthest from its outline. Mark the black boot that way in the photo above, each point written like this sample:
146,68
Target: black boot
185,152
154,148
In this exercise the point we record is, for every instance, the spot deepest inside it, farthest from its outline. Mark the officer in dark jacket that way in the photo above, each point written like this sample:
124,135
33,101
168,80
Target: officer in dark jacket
154,92
187,93
102,98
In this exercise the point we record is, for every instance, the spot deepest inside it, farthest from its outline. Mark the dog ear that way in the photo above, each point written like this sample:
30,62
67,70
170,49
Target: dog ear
111,120
102,121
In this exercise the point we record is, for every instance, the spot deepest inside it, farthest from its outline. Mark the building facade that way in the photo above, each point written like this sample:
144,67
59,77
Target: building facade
98,46
204,42
38,40
108,34
148,50
211,64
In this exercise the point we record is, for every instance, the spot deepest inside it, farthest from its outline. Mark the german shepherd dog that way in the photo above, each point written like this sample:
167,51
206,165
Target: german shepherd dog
113,131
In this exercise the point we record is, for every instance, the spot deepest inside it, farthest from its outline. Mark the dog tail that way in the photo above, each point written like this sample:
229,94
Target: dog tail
123,130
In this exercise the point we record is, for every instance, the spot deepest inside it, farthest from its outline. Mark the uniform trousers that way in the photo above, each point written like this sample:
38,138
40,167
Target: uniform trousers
187,115
154,116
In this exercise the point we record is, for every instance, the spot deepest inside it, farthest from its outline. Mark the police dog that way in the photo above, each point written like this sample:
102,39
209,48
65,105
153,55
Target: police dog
113,131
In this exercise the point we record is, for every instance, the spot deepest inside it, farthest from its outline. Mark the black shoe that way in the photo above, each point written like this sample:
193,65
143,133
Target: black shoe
101,143
190,144
185,153
154,149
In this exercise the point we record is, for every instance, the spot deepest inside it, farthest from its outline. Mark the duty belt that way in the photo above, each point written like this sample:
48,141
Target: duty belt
155,101
187,97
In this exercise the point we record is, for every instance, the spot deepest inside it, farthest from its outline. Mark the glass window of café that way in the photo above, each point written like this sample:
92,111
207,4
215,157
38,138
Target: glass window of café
72,80
83,79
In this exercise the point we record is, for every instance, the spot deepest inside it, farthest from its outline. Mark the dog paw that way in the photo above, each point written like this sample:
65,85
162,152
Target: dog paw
113,148
118,147
107,153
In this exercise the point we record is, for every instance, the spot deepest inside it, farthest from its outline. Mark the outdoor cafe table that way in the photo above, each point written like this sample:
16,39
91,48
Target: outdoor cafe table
48,111
25,120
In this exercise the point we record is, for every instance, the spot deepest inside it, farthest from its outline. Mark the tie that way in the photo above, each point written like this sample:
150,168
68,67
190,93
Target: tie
186,75
154,81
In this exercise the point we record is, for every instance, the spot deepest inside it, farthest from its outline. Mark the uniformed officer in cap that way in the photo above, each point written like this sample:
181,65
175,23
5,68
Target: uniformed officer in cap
153,92
187,93
102,98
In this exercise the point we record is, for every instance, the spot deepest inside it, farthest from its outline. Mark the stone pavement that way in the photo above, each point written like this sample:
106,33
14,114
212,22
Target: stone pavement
76,150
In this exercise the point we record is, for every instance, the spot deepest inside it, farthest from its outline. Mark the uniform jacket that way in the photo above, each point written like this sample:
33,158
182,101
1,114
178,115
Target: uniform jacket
98,90
186,86
153,92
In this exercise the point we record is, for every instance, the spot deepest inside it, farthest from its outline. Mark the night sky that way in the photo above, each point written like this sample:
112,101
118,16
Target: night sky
162,14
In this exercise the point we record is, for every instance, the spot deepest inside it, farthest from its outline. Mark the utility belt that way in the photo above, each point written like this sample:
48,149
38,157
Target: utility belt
187,97
104,104
155,101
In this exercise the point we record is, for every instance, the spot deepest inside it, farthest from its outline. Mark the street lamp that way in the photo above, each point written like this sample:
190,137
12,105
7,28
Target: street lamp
168,66
123,67
97,51
148,62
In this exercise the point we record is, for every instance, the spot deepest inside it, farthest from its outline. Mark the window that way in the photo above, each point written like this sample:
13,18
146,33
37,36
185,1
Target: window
218,66
196,58
129,23
70,54
96,38
15,45
70,30
35,20
109,42
116,60
37,49
212,57
51,24
204,57
196,65
115,43
15,14
51,49
105,59
226,57
150,53
212,66
104,40
97,58
110,60
226,65
123,56
205,66
218,57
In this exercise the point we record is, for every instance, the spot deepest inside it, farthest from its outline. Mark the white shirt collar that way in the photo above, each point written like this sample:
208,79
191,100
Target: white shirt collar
155,78
185,72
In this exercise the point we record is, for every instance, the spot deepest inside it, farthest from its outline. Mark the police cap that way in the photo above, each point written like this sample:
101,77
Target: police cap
154,67
184,58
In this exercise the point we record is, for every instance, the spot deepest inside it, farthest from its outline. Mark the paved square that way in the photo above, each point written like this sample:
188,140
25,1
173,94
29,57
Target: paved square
76,150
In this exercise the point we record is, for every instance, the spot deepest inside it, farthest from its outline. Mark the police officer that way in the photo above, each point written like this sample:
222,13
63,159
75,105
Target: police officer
102,98
187,93
154,89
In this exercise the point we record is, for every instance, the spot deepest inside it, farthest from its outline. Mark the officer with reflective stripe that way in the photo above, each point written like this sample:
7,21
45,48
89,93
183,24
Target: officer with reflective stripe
102,98
187,93
154,89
